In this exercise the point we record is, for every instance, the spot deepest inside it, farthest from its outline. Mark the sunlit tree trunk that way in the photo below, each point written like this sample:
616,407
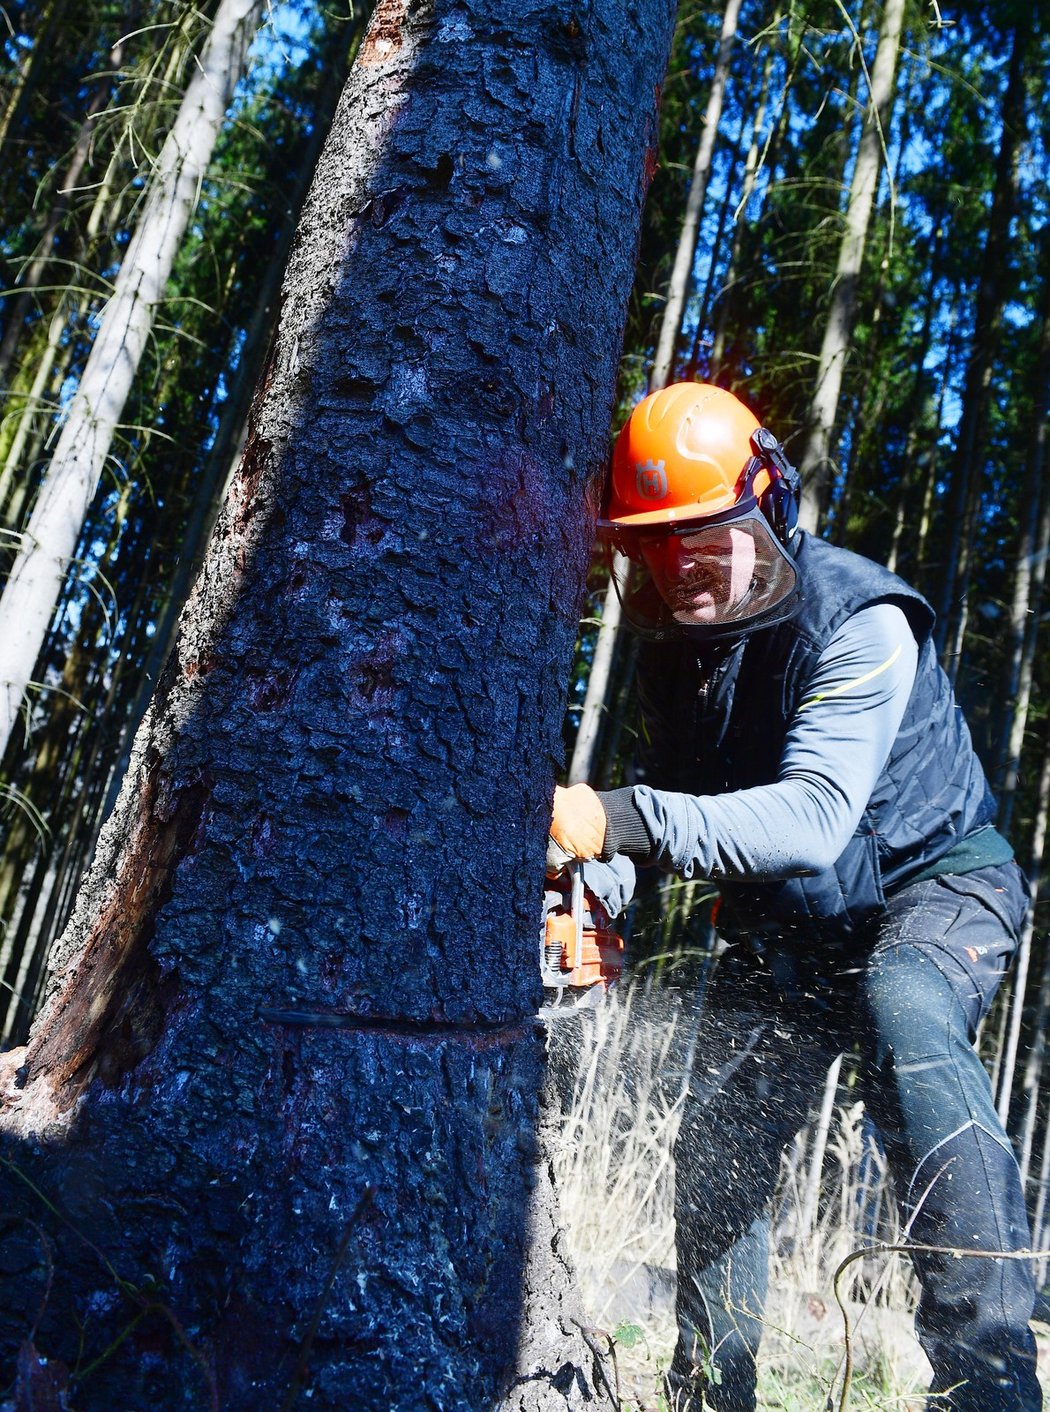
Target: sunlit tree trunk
50,538
70,313
815,1169
285,1079
681,274
815,461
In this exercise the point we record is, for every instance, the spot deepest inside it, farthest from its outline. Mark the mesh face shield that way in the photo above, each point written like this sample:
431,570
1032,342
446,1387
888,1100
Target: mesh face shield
717,578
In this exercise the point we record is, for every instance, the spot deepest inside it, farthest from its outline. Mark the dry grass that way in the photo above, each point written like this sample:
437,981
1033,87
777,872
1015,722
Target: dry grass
615,1171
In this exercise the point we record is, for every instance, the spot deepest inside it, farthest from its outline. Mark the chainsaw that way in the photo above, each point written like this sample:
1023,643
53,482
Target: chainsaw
581,957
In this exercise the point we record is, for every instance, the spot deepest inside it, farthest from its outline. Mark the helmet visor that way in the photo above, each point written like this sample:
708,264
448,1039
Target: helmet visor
709,580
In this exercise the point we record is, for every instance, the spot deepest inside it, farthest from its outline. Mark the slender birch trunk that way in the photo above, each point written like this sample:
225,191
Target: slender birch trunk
663,362
811,1195
815,460
84,444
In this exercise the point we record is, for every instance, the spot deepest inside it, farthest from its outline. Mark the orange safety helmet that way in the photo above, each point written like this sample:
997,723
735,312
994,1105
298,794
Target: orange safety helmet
680,456
691,460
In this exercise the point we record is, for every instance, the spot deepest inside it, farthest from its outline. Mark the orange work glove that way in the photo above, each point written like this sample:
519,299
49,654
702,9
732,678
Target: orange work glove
578,824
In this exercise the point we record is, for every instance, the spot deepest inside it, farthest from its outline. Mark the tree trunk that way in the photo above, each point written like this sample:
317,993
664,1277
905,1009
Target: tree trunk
815,1170
910,477
965,492
581,766
599,678
1030,570
281,1101
1035,868
755,151
32,275
69,314
815,460
1040,1232
72,478
671,323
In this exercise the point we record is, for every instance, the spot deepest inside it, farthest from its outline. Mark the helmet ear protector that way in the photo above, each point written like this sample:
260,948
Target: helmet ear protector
779,502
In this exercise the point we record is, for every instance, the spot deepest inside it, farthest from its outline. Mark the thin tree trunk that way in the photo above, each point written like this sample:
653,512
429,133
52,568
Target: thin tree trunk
592,714
815,460
1030,570
739,216
1024,953
56,355
1040,1231
811,1195
913,407
73,475
704,303
671,323
953,607
1035,1063
33,273
581,765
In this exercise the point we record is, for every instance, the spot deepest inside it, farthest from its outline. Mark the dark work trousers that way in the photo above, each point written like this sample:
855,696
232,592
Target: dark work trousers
909,1001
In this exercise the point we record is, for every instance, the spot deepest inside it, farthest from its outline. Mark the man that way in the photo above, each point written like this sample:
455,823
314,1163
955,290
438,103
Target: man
801,746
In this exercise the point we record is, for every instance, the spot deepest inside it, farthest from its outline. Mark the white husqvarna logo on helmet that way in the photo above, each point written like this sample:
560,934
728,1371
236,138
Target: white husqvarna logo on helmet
650,479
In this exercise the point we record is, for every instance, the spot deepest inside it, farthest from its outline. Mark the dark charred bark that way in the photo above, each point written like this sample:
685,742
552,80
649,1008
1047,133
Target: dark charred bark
277,1130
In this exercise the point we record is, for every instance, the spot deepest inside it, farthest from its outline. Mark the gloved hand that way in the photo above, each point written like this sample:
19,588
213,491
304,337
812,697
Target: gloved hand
578,823
557,859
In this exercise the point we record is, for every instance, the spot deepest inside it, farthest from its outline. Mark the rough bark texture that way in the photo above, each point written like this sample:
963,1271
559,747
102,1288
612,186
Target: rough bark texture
280,1112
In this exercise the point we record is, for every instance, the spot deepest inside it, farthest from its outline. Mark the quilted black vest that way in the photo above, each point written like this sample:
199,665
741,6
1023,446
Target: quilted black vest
717,721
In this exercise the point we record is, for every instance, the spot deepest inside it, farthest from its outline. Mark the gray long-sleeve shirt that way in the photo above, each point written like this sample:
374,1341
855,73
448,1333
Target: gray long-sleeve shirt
834,751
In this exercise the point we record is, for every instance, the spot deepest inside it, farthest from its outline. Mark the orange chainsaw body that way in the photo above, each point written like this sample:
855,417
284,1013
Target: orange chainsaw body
592,957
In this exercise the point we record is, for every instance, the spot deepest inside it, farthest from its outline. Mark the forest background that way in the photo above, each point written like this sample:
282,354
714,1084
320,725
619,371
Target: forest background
847,225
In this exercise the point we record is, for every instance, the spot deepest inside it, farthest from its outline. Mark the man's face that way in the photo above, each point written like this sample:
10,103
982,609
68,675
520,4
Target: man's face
702,575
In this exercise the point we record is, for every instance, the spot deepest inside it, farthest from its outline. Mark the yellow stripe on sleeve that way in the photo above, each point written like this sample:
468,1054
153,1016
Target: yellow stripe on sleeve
857,681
